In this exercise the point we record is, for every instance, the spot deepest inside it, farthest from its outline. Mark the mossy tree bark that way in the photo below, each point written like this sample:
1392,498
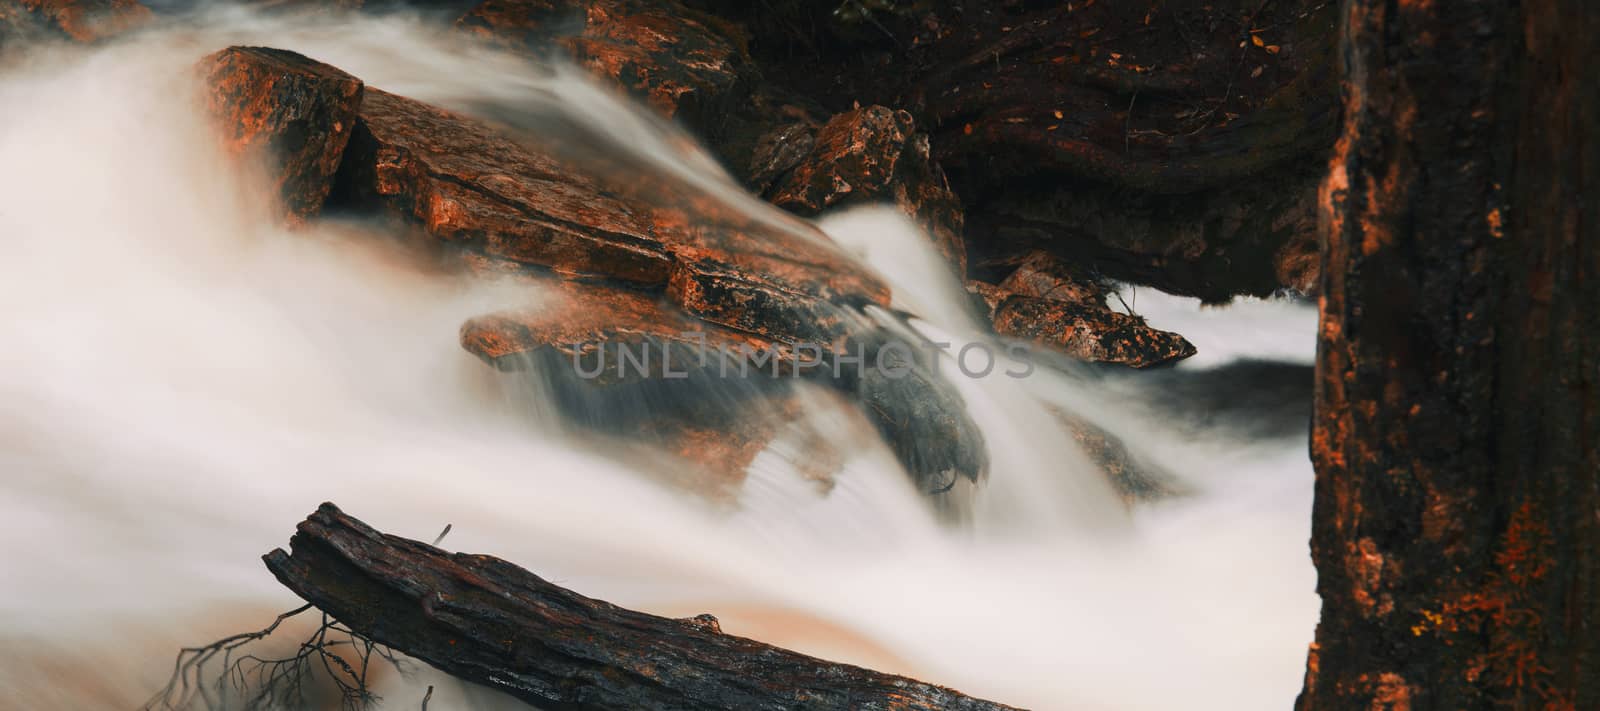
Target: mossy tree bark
1456,440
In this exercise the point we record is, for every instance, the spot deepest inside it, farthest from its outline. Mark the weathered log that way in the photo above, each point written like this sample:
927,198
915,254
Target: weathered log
1457,430
487,621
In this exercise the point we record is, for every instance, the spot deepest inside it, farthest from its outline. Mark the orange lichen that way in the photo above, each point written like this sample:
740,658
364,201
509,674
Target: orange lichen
1502,608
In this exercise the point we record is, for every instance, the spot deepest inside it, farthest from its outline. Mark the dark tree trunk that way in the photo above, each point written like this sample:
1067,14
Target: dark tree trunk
1457,430
488,621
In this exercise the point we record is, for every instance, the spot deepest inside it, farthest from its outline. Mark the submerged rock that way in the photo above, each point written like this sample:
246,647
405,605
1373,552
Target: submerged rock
620,361
287,114
1133,480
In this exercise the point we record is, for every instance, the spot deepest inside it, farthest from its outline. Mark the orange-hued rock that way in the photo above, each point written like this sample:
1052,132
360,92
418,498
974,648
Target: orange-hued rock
867,155
682,63
709,398
1044,300
576,321
699,378
1089,332
290,115
79,20
470,184
1043,276
1134,480
633,259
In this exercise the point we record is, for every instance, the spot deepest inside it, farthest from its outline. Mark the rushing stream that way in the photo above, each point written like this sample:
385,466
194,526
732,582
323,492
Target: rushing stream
181,380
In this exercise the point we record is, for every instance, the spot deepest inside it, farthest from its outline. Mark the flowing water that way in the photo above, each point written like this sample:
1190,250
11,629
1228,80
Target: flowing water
181,380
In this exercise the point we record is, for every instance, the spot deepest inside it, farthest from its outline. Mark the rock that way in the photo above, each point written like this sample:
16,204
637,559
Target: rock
636,370
690,66
1046,301
1133,480
474,186
586,327
919,414
683,378
291,115
986,298
777,152
1145,140
868,155
1089,332
633,260
685,64
1042,276
78,20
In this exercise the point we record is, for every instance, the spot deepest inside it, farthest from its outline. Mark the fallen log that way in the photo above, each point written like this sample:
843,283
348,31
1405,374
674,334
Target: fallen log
485,620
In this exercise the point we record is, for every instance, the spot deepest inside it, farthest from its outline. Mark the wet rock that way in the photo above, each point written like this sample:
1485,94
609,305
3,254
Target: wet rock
870,155
1134,481
475,186
622,362
986,298
683,63
1089,332
925,422
1045,301
77,20
777,152
472,186
749,293
1042,276
611,334
634,259
290,115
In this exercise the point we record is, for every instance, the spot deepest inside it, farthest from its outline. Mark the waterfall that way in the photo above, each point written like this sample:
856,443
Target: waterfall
182,379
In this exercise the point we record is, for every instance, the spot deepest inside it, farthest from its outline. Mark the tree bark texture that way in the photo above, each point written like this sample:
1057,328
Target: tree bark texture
1457,429
488,621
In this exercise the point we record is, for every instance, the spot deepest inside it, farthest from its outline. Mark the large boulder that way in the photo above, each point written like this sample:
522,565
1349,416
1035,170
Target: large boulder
286,114
510,197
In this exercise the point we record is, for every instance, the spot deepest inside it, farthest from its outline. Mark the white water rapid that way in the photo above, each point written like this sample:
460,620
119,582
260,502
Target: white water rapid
181,381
